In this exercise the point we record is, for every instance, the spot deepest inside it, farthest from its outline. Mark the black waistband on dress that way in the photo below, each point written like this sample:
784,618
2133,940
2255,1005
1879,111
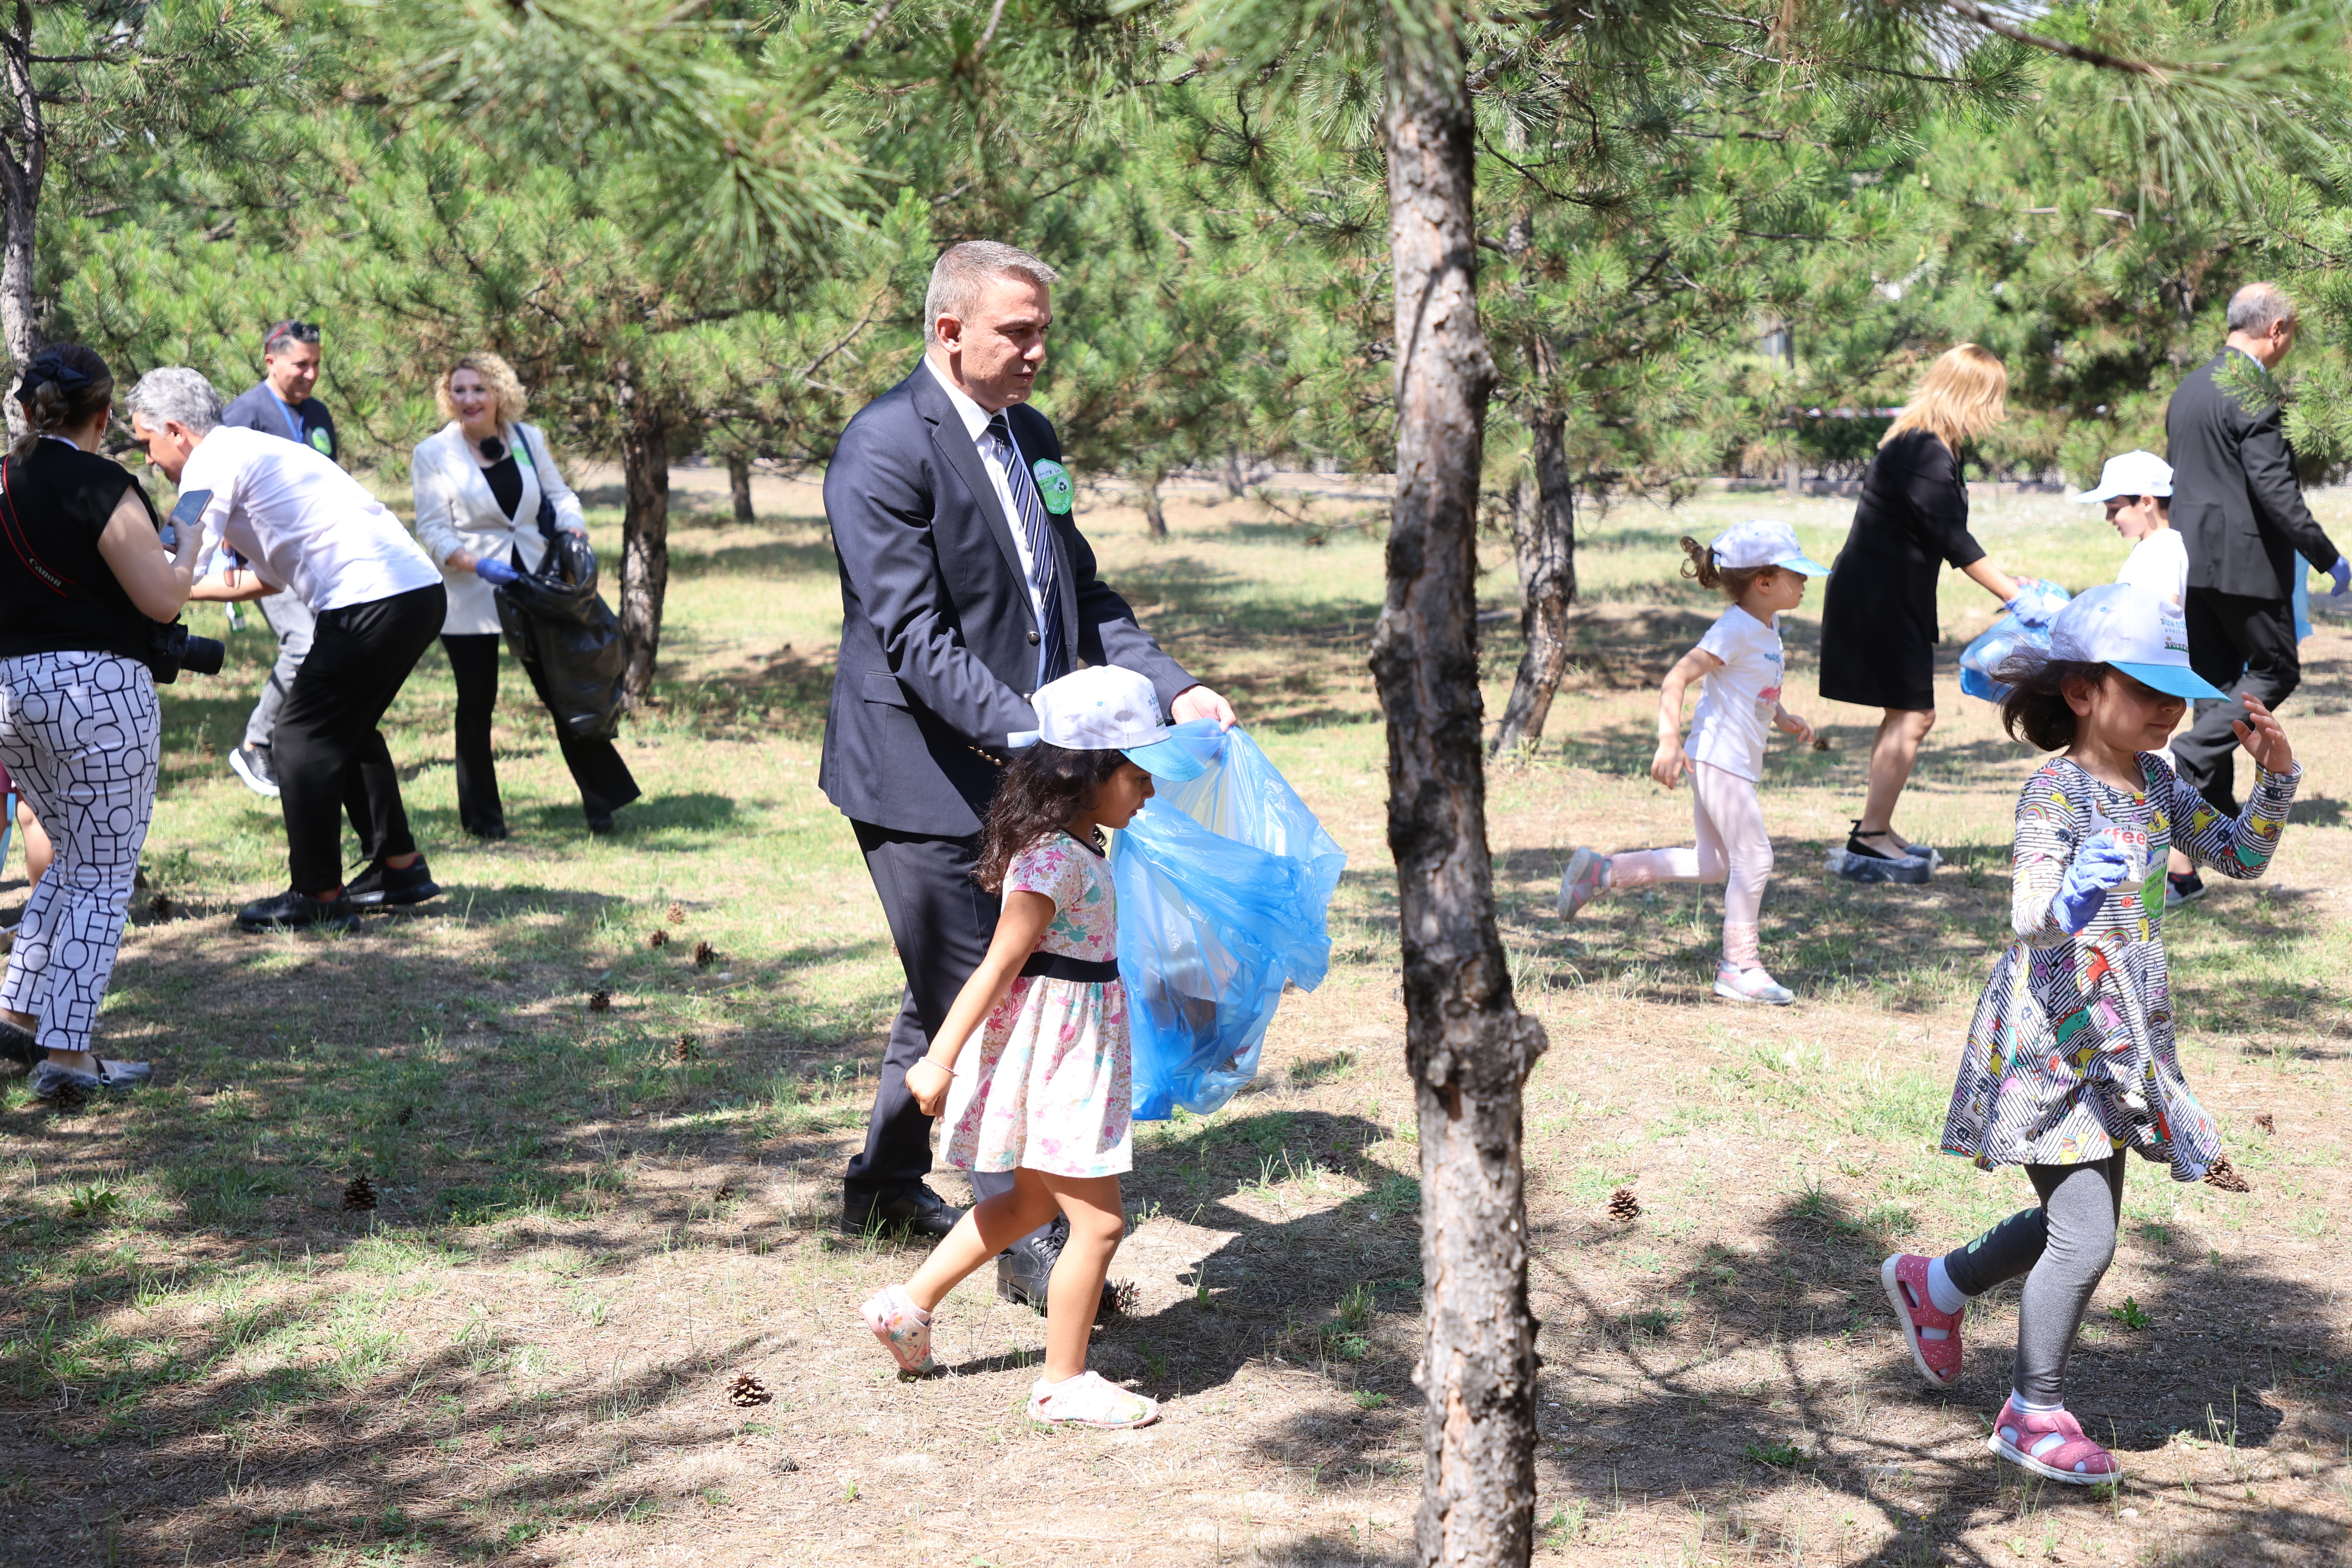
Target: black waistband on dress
1062,966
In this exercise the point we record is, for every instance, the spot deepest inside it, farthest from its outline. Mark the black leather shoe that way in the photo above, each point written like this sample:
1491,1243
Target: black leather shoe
489,832
915,1210
381,886
601,827
1023,1269
19,1046
290,910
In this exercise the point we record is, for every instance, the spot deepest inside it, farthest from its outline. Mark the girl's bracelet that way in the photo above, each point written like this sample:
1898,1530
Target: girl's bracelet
933,1061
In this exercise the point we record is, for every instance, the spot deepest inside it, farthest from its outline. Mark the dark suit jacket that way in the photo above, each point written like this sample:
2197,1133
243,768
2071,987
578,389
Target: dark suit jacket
2235,498
256,408
939,643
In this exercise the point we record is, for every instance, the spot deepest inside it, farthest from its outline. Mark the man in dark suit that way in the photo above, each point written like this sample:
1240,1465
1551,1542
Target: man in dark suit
2239,510
964,587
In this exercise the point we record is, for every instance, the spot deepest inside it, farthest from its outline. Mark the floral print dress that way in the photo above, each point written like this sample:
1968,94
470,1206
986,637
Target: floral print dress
1052,1088
2071,1055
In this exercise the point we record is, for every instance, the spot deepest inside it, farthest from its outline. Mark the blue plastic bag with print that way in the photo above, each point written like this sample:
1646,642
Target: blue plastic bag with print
2005,636
1224,883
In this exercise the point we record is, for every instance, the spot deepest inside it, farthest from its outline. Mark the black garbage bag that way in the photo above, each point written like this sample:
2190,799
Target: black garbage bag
567,639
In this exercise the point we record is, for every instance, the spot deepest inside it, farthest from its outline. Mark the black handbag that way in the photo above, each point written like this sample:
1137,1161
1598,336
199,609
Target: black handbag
564,635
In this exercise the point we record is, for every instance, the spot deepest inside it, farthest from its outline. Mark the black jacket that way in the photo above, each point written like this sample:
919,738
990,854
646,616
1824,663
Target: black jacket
2235,498
939,643
256,408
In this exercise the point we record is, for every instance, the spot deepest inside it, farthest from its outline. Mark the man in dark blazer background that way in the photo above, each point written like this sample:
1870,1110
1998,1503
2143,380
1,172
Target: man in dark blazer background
2239,510
965,586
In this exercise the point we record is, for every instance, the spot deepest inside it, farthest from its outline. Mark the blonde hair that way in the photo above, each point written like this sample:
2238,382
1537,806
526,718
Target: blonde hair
506,387
1960,397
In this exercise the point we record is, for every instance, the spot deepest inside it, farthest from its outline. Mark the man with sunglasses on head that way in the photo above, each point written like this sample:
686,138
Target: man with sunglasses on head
280,404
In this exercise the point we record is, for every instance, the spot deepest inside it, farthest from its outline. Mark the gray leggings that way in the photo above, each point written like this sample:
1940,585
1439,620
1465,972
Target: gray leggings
2066,1244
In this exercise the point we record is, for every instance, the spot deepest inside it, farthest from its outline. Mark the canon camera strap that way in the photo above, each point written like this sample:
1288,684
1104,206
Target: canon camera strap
57,582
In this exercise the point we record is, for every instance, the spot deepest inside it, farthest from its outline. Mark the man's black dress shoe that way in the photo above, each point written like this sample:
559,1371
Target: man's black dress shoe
382,885
290,910
1023,1269
913,1210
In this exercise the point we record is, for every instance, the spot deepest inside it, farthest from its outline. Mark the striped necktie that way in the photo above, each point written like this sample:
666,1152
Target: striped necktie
1029,516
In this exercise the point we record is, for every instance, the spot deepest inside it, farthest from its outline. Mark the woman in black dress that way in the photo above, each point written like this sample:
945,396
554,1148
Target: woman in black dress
1878,616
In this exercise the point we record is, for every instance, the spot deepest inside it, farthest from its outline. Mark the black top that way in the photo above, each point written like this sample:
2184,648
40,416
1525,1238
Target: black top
56,593
1914,507
1878,613
2234,495
506,484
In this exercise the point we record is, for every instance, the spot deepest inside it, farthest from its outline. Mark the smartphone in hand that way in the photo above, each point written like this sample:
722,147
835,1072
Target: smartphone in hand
185,513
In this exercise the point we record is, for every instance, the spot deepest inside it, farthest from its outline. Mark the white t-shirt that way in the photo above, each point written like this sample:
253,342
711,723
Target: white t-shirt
301,522
1735,704
2160,563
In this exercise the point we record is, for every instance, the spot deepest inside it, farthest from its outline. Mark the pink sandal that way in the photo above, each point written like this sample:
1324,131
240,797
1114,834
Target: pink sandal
2051,1443
904,1328
1904,1275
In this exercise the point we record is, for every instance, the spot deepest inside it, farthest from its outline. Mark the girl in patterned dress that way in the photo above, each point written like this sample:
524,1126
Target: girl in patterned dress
1049,1093
2070,1060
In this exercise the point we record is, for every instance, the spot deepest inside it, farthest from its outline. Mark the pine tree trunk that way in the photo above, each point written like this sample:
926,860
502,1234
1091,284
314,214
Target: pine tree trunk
1155,518
24,165
1236,479
1544,536
739,485
644,530
1466,1044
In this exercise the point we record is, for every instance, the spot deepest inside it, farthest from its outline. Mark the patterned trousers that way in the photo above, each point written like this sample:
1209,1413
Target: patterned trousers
80,733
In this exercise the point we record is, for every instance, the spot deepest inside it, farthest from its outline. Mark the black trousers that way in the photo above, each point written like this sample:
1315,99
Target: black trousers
332,759
2242,646
605,784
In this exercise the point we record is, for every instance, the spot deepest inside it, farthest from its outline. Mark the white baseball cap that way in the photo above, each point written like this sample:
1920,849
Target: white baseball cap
2133,473
1760,542
1106,709
2126,627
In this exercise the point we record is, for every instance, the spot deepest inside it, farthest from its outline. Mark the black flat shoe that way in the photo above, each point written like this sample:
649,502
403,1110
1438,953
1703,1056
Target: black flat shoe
1024,1268
901,1210
490,832
381,886
290,910
19,1046
601,827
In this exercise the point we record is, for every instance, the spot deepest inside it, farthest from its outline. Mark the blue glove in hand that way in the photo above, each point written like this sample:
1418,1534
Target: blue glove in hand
2342,572
494,571
2099,865
2028,613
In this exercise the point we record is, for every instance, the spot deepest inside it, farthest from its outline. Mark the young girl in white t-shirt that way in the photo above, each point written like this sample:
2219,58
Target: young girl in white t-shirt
1760,568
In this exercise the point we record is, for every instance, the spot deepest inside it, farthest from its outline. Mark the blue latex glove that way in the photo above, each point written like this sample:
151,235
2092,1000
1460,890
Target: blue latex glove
494,571
2099,865
2028,615
2342,572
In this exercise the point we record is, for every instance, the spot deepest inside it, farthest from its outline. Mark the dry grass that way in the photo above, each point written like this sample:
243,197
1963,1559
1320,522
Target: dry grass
525,1353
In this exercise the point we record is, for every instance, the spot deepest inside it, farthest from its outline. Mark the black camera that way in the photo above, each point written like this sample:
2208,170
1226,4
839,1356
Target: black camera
171,648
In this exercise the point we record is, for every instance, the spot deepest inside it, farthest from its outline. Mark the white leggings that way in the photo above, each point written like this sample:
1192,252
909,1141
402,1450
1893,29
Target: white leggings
1733,848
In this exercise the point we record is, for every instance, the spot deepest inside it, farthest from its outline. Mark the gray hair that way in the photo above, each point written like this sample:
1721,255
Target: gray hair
962,270
2258,306
175,391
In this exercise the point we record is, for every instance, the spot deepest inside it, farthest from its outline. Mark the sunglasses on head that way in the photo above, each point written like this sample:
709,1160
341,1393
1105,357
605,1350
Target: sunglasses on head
291,333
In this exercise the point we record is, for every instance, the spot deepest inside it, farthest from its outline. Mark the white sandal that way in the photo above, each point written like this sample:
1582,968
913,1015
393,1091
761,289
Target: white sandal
1087,1400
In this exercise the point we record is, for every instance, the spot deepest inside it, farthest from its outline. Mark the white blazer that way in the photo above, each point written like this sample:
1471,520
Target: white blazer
455,511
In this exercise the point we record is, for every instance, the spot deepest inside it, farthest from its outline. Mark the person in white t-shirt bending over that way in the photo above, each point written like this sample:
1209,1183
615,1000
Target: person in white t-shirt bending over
2137,490
306,525
1762,568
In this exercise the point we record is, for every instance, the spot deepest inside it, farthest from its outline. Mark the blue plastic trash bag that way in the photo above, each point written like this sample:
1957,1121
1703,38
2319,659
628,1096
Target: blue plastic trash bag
1223,884
2038,602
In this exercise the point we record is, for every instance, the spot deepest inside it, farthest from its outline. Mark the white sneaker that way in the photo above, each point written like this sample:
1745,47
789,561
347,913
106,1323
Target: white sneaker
1750,985
1586,874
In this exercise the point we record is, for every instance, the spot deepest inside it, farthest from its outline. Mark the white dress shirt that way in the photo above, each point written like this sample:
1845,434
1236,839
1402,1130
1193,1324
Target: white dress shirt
303,523
975,422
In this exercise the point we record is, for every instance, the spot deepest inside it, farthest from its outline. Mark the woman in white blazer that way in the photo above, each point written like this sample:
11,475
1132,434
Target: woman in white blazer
478,481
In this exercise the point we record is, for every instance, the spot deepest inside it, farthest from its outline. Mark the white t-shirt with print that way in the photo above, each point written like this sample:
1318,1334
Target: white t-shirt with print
2160,563
1734,718
301,521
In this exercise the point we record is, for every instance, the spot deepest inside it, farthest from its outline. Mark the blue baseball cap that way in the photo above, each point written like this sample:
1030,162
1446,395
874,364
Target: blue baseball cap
2126,627
1761,542
1106,709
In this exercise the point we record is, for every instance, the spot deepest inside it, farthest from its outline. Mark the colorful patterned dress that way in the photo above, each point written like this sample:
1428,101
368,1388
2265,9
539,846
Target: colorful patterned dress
2071,1056
1051,1087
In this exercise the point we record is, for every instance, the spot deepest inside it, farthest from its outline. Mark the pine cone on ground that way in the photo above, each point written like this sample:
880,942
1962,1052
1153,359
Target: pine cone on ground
677,914
683,1048
2225,1176
2265,1123
359,1197
747,1390
1623,1205
660,938
160,906
1123,1298
600,1001
704,955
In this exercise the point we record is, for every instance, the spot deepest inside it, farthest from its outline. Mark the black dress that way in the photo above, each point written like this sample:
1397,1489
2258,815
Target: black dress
1878,616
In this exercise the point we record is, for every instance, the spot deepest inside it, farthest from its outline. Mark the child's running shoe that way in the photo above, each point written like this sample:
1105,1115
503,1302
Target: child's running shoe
1750,985
1934,1337
2051,1443
1088,1400
904,1328
1586,874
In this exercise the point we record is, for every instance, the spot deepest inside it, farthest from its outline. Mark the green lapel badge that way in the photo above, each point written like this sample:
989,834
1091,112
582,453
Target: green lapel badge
322,441
1055,487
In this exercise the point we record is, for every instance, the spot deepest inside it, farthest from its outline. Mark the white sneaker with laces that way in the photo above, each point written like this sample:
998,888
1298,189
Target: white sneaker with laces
1750,985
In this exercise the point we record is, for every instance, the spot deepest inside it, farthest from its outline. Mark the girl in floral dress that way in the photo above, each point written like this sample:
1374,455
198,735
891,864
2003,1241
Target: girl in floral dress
1048,1092
2070,1060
